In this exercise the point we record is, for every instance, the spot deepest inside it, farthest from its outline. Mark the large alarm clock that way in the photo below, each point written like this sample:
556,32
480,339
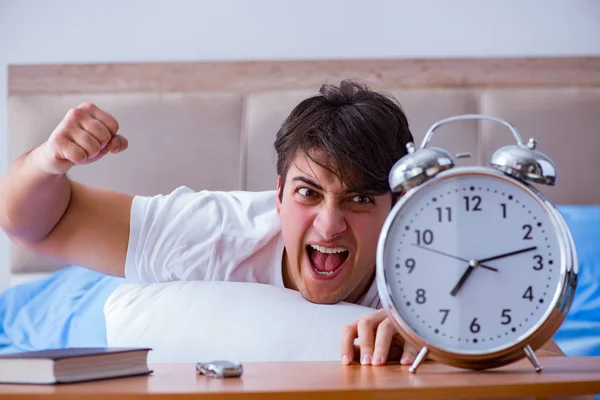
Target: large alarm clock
475,266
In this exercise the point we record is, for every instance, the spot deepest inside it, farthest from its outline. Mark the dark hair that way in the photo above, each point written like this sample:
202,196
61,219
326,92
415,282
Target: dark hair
362,133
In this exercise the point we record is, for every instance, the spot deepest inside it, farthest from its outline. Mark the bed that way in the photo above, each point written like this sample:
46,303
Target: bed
210,125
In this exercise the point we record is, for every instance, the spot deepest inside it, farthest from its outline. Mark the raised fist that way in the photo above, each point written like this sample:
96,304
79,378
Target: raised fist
84,136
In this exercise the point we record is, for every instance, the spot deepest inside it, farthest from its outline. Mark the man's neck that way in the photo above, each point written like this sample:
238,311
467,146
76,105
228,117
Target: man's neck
361,289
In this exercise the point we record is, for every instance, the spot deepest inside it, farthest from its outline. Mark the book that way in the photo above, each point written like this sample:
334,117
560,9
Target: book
75,364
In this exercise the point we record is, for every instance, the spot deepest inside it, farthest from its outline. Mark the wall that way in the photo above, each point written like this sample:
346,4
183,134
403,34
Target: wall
75,31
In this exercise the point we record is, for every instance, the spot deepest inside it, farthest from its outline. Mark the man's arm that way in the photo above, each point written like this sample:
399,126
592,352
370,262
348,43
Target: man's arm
42,210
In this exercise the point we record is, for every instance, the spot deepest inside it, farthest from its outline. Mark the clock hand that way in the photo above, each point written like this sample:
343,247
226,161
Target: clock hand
512,253
475,263
455,257
463,278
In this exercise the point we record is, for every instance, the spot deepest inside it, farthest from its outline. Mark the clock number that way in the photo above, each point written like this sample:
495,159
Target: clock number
446,312
507,316
528,294
421,296
441,214
475,328
528,230
410,264
503,205
539,260
426,237
473,203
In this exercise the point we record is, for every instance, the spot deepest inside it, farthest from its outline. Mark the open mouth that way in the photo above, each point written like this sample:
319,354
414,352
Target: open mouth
325,261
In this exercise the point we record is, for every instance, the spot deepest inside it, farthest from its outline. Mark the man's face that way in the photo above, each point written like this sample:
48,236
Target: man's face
330,233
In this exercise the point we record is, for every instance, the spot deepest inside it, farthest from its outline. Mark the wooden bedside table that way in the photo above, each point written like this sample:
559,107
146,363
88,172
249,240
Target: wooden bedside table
329,380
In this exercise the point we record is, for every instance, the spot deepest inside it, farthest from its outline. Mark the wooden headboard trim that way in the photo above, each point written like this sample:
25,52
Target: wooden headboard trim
253,76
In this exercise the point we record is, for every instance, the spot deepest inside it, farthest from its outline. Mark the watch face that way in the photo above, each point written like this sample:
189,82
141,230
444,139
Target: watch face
472,262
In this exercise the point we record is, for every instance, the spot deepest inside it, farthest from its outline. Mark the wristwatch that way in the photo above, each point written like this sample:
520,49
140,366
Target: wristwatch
220,369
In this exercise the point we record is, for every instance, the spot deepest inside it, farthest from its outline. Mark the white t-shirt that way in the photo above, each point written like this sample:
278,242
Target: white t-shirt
209,235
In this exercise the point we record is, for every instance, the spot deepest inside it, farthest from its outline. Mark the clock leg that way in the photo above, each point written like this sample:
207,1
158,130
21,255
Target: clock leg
531,356
420,357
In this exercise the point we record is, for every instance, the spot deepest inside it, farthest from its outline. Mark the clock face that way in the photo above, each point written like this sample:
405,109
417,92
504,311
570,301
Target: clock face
472,263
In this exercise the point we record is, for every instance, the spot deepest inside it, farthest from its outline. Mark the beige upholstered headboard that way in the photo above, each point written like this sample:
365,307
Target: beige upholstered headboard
212,125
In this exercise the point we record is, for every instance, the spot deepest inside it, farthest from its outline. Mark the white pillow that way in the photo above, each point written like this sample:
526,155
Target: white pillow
248,322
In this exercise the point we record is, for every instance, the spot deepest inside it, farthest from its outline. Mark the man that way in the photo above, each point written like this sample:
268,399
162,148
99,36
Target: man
317,233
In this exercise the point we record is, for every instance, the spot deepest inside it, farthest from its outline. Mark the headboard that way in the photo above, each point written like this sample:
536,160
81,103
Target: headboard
211,125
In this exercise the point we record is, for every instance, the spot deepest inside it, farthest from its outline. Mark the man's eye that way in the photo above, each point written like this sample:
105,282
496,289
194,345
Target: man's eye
304,191
362,199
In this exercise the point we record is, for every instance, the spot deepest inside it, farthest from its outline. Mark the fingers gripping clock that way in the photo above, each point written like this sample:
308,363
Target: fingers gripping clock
474,266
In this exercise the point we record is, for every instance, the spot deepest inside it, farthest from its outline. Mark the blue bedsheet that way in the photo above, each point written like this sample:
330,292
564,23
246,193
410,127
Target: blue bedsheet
579,334
64,309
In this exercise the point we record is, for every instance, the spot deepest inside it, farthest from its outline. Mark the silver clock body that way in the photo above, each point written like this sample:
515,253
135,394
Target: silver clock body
475,267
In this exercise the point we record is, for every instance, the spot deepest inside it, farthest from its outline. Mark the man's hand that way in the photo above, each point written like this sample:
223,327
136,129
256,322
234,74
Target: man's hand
84,136
378,339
